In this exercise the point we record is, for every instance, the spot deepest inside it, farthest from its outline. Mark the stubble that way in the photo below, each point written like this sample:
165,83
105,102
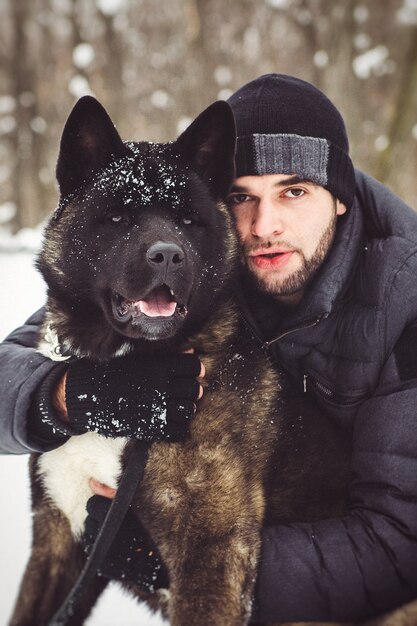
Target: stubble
299,279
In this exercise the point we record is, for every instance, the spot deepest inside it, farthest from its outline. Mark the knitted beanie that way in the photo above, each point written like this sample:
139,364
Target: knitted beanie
287,126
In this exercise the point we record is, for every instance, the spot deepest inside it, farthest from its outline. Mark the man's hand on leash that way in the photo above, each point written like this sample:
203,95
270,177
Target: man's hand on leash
133,556
150,398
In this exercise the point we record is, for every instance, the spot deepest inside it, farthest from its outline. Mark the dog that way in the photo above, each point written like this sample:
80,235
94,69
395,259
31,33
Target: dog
256,452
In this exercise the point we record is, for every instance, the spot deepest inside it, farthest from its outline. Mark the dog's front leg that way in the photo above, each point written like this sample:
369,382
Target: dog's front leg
213,583
53,568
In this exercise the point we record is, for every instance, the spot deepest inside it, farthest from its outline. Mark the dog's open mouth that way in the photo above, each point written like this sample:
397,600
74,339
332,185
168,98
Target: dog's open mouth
158,303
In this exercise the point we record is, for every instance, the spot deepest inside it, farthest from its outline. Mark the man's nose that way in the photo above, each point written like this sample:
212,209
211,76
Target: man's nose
266,221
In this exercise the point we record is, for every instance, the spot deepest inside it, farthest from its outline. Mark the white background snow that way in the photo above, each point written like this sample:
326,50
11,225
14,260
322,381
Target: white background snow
22,292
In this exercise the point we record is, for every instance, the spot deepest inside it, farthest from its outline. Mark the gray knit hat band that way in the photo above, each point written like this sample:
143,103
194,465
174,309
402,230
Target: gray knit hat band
285,154
310,158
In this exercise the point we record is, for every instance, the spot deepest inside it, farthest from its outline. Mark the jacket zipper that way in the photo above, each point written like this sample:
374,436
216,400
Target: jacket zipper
329,393
267,344
308,324
325,390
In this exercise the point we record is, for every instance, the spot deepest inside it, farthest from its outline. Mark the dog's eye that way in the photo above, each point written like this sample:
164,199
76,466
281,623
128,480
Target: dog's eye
116,218
187,221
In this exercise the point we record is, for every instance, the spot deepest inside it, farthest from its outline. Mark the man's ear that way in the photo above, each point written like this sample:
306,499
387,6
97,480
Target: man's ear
340,208
89,142
208,146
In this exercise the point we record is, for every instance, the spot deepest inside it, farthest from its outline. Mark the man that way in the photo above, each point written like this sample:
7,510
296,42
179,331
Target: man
330,260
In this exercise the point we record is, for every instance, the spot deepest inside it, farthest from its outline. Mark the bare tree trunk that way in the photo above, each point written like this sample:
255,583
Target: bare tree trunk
27,148
403,110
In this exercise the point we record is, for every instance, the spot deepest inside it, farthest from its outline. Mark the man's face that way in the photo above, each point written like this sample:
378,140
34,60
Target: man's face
286,226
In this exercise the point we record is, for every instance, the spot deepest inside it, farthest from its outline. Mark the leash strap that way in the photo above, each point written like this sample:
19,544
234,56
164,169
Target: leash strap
130,479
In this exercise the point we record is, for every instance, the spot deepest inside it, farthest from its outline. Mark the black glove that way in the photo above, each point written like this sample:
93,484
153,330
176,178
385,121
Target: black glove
133,556
147,397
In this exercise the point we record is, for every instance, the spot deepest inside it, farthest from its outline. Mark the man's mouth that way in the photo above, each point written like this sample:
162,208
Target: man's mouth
270,260
158,303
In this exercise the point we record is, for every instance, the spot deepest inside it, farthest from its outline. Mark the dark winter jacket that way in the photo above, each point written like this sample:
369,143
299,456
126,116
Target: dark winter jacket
352,343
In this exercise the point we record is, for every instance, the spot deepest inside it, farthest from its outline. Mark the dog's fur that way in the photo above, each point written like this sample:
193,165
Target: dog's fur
256,453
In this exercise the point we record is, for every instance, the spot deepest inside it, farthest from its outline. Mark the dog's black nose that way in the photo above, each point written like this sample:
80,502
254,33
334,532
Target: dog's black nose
165,254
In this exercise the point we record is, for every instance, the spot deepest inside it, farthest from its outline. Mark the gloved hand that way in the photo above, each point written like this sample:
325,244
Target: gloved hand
147,397
133,556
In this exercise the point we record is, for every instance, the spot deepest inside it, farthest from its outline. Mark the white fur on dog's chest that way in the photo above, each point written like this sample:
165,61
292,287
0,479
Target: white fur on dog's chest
65,472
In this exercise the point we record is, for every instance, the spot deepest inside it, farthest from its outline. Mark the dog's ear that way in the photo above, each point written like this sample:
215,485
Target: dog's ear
89,142
208,145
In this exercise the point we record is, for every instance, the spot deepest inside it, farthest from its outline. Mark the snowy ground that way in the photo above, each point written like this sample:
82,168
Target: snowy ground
23,292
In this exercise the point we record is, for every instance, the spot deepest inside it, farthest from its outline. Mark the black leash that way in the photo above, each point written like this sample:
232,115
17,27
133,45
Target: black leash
130,479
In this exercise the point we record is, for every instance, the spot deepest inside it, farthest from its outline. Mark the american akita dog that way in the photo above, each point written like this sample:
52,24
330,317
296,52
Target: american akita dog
251,456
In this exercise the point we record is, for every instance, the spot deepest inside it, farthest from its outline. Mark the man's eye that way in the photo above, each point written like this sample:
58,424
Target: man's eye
238,198
295,192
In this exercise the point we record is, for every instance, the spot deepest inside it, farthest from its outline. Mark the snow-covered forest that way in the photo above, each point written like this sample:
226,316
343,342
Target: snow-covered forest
156,64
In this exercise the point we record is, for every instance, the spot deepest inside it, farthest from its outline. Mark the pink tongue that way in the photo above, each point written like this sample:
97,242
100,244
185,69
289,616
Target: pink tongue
157,306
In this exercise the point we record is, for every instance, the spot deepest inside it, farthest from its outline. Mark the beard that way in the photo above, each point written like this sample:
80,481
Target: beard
300,278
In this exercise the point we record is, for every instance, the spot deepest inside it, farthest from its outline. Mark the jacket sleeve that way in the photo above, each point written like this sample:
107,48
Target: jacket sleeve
365,563
22,370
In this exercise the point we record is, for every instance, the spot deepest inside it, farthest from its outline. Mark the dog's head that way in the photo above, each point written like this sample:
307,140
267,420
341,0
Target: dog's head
141,245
